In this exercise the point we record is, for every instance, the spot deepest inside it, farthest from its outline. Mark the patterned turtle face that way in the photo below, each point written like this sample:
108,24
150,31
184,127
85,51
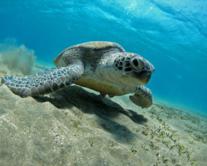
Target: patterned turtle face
135,66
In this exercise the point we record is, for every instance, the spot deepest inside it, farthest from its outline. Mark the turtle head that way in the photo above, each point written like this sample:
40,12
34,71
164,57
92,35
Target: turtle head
134,65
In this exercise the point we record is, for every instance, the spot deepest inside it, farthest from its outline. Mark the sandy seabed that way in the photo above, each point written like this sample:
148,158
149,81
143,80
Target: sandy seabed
75,127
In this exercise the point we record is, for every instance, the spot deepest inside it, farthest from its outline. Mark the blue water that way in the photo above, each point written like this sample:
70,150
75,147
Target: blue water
171,34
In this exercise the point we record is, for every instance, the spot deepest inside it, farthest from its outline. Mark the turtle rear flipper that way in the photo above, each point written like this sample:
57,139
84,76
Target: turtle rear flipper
142,97
44,82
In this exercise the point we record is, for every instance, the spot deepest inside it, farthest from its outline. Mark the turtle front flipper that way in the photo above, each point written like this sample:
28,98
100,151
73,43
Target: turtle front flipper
142,97
45,82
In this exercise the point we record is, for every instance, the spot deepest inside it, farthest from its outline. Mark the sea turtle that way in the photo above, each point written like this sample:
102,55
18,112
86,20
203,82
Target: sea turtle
99,65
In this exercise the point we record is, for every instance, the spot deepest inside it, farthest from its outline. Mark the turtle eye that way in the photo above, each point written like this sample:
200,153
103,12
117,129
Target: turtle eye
138,64
135,62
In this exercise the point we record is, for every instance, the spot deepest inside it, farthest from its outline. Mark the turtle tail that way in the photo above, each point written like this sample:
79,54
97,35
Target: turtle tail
44,82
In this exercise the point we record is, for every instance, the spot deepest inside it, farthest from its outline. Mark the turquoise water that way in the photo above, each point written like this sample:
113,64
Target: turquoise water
171,34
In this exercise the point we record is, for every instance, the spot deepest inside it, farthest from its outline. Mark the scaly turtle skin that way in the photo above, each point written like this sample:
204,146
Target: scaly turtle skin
102,66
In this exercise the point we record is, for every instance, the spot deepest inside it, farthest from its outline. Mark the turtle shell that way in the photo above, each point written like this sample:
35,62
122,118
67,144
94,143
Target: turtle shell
88,52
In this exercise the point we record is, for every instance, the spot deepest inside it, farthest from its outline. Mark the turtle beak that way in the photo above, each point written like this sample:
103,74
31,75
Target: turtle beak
145,76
